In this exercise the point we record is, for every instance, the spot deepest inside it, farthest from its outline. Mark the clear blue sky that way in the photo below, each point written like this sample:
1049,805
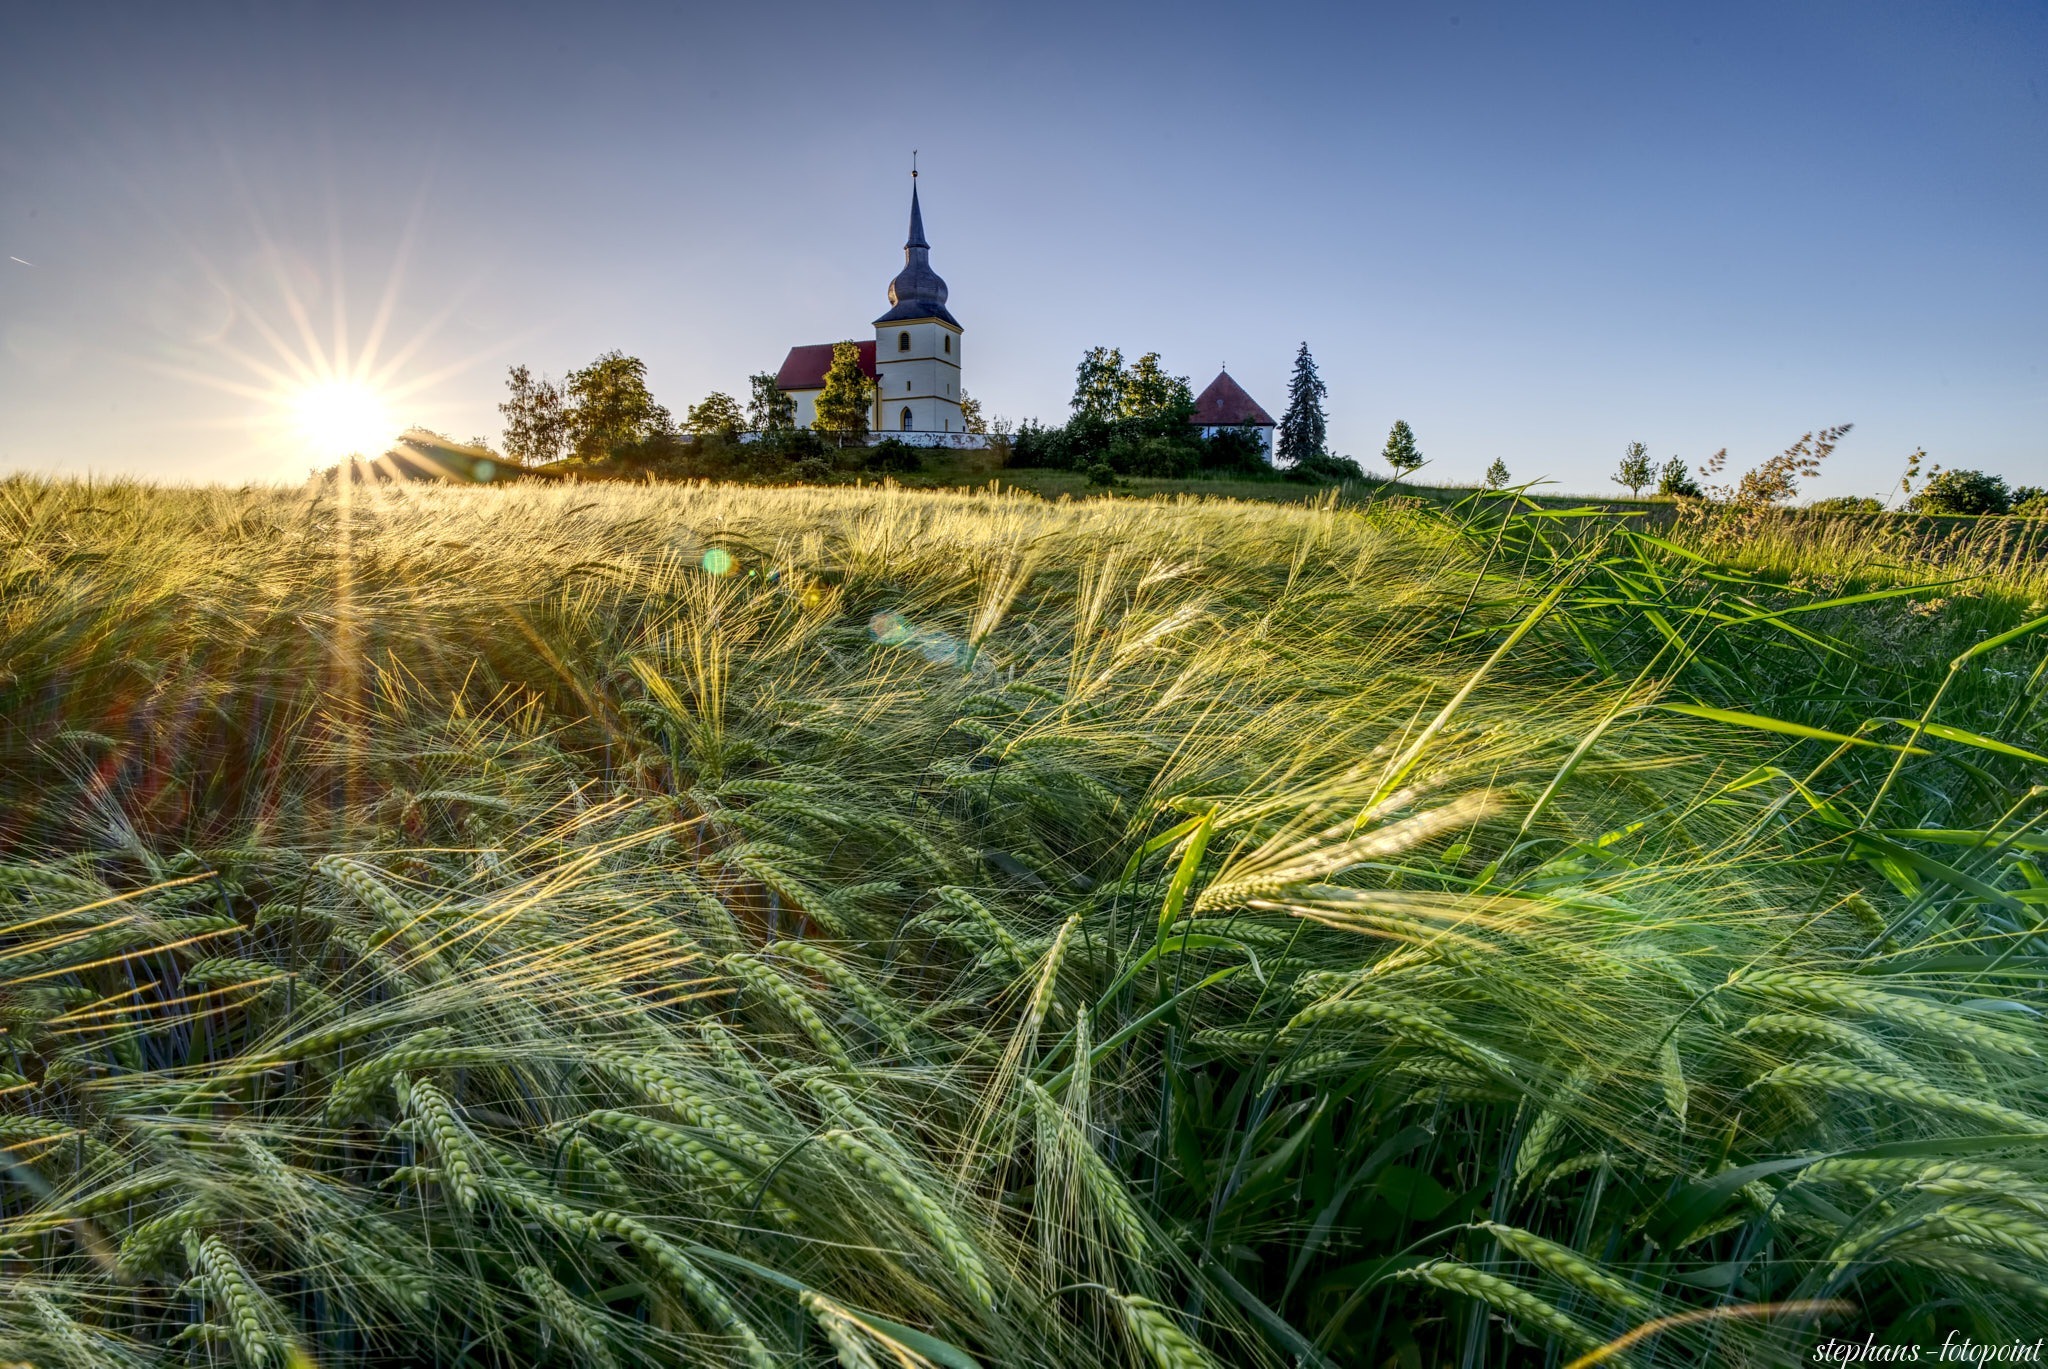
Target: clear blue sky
1536,232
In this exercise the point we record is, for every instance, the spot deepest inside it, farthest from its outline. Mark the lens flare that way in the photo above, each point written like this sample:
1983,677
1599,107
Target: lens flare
338,418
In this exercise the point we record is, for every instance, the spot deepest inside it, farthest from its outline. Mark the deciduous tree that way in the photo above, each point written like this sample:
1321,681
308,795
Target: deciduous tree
1149,392
613,407
1497,475
537,427
1099,384
1304,430
1963,492
1635,471
848,394
769,410
970,413
719,414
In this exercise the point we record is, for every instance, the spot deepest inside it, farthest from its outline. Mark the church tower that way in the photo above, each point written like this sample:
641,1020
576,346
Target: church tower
917,345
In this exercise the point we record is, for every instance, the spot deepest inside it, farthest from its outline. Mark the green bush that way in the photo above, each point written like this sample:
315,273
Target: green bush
1324,468
1675,480
1963,491
892,456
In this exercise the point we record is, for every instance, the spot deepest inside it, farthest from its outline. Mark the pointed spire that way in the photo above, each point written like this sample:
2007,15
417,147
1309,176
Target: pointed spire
916,219
917,291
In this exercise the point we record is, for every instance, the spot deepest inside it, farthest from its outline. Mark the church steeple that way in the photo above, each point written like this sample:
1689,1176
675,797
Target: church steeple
917,291
916,219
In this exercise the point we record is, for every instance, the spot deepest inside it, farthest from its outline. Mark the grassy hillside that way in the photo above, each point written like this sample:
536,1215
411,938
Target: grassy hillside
673,925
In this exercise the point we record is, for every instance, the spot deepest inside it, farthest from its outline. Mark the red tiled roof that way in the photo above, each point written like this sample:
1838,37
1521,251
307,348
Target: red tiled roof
804,368
1225,405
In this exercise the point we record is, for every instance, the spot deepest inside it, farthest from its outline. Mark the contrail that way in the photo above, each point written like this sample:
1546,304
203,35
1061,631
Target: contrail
24,263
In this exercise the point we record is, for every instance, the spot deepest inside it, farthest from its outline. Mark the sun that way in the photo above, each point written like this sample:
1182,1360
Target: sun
340,418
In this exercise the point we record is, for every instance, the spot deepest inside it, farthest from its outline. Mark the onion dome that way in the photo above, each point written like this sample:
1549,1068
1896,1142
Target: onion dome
917,292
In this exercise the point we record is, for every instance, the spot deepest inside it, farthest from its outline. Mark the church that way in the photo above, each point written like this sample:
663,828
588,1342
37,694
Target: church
914,360
914,365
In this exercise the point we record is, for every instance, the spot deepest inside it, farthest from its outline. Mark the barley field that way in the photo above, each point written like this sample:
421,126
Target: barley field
699,925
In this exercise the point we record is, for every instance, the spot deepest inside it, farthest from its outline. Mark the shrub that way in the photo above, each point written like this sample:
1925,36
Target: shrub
894,457
1101,473
1324,468
1239,451
1963,491
1675,480
1847,503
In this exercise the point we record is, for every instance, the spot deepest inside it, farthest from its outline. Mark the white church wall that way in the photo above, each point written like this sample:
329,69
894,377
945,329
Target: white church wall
923,377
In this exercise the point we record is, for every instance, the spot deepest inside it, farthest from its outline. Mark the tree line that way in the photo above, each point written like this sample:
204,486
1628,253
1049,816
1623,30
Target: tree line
1127,418
603,419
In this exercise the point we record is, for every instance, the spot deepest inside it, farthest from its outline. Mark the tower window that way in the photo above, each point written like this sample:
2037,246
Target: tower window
904,421
949,342
903,342
906,387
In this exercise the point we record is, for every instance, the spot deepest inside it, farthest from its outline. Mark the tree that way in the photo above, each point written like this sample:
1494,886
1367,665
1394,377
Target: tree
1676,480
1149,392
1635,471
769,410
1304,431
1400,452
848,394
536,419
1099,384
719,415
970,413
1963,492
1497,475
613,407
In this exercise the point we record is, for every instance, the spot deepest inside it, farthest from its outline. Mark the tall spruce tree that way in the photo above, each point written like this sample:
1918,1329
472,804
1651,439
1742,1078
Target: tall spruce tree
1303,429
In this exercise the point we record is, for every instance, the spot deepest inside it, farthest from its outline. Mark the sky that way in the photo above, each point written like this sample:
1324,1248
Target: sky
1535,232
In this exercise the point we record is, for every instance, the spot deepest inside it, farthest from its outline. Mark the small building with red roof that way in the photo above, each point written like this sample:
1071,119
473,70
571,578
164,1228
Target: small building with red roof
1223,405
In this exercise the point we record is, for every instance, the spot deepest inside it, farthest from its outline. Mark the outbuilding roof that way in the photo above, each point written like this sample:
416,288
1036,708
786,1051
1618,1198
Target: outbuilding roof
804,368
1224,404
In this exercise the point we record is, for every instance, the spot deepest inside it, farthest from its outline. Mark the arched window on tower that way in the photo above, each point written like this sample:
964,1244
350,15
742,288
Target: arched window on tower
949,342
904,421
903,342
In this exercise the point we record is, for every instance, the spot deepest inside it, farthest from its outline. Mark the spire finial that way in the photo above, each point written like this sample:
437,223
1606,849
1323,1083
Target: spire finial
913,163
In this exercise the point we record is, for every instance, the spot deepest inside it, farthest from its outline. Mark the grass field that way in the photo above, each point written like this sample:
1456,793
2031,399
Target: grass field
668,925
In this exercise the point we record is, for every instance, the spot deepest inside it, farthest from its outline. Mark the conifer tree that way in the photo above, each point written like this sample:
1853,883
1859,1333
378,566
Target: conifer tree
843,403
1401,453
1303,429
